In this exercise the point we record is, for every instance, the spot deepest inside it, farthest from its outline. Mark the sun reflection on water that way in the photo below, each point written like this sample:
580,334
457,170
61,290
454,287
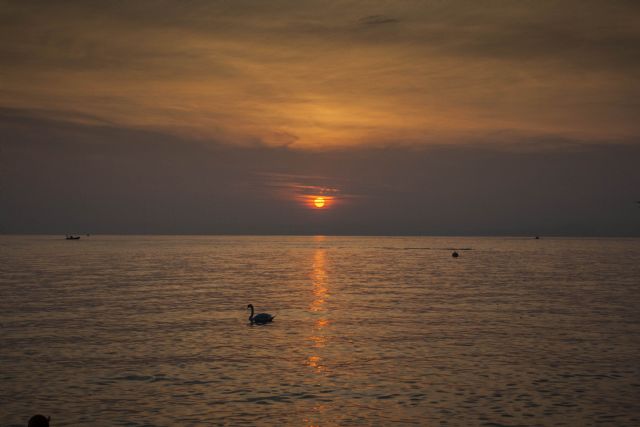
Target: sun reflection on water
320,291
319,281
318,337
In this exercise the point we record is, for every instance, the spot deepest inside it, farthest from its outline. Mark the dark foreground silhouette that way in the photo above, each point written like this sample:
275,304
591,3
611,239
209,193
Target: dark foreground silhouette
39,421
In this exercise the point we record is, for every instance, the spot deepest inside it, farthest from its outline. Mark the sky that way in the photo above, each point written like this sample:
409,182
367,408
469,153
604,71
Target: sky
408,117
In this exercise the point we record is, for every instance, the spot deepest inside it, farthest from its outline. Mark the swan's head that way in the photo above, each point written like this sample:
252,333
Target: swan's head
249,306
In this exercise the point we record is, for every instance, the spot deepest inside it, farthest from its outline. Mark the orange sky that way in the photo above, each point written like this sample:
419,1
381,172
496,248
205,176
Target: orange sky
329,75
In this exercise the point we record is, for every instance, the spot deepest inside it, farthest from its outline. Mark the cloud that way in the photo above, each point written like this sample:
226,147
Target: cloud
304,189
377,20
60,177
308,76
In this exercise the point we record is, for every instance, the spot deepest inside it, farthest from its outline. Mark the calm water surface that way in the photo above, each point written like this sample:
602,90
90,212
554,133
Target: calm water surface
141,330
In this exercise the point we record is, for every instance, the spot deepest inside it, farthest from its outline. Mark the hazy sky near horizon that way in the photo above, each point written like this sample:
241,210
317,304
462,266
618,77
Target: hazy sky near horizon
416,117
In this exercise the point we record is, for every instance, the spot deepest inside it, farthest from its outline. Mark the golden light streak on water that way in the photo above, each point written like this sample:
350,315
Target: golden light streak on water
319,280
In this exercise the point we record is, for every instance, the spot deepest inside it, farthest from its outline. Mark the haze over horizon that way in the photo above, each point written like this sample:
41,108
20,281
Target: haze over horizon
506,118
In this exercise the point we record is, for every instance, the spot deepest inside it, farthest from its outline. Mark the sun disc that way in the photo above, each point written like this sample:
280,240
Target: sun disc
319,202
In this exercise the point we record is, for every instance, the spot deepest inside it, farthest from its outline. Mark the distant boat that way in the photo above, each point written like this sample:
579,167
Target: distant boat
70,237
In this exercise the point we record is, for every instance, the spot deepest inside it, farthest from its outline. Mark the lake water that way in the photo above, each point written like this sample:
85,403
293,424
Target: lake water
153,330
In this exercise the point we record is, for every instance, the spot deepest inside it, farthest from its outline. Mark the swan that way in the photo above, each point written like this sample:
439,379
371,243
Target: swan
259,318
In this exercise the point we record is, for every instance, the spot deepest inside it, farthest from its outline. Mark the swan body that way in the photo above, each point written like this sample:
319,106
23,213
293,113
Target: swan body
260,318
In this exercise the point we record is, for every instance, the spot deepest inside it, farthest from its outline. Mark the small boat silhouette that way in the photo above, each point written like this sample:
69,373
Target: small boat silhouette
70,237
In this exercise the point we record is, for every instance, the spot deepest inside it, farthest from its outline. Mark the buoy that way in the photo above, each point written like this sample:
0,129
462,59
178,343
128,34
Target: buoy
455,254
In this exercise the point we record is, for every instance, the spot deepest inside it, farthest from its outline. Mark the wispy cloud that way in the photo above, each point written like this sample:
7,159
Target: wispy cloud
305,188
377,20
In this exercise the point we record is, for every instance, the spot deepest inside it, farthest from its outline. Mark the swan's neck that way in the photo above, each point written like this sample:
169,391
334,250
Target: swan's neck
251,316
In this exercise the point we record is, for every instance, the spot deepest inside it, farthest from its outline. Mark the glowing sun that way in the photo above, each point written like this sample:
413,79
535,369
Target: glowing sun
318,202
